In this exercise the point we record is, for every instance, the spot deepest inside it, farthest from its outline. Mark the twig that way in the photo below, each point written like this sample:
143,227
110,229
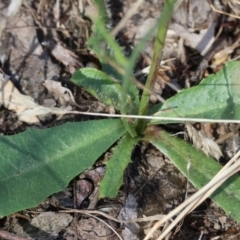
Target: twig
222,12
97,212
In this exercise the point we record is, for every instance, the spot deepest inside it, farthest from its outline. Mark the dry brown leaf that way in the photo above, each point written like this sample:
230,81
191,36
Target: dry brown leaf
9,98
41,110
222,56
25,38
64,95
35,109
207,145
65,56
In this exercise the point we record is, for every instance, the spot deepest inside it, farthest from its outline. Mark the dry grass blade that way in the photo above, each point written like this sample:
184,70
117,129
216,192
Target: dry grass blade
218,180
198,197
30,108
157,233
56,110
231,4
156,217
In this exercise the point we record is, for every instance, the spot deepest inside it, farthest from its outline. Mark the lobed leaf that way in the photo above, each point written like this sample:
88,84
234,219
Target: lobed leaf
37,163
216,97
202,168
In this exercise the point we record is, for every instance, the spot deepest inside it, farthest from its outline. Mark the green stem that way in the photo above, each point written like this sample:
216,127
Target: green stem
102,11
158,48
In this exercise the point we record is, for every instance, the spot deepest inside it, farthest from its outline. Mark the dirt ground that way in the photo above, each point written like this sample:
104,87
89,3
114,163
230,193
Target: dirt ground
44,42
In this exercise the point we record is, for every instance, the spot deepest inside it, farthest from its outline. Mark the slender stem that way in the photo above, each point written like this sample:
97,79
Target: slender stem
158,47
102,11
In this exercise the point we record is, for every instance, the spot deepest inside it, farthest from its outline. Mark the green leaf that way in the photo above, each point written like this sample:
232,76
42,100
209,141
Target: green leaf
202,168
110,49
37,163
103,43
101,86
109,52
103,14
216,97
116,166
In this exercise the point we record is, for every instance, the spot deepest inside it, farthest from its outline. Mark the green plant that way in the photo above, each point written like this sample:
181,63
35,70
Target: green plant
63,152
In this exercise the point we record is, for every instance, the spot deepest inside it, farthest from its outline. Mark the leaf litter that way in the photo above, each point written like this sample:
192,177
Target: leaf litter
41,48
